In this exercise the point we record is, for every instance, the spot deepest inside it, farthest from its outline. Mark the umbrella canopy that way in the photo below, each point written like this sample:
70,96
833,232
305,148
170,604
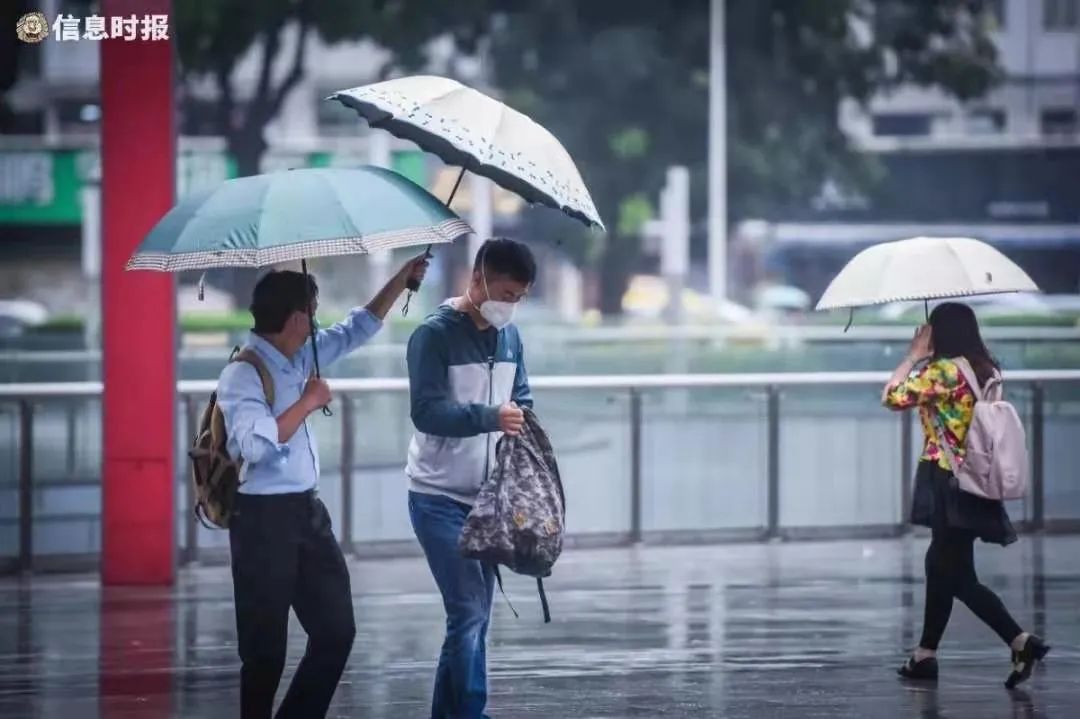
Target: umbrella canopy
468,129
293,215
984,305
924,268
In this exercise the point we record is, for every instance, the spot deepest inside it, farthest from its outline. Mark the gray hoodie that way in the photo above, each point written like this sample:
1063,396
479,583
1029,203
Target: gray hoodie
459,375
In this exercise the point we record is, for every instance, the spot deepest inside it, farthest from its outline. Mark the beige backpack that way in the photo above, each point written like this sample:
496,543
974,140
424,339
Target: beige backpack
995,464
215,475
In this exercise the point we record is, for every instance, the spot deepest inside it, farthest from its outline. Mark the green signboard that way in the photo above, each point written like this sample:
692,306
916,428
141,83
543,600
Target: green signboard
42,187
39,188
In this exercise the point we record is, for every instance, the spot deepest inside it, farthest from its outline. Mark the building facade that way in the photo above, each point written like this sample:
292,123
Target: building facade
1002,168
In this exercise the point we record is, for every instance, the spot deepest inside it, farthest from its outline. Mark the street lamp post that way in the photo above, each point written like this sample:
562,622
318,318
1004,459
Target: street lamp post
717,155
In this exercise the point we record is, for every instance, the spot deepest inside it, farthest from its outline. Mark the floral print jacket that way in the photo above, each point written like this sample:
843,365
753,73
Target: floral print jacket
937,389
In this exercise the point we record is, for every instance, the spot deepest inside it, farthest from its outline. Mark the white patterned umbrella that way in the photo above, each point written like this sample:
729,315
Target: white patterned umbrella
468,129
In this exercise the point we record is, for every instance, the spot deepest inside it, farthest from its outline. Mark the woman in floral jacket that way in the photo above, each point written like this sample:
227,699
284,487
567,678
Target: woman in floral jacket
928,379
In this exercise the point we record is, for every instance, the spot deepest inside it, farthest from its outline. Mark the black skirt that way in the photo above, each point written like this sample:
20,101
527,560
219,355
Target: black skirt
937,503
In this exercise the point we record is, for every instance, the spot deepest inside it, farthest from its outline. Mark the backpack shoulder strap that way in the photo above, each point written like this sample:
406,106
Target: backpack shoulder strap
943,442
498,579
252,358
969,375
543,600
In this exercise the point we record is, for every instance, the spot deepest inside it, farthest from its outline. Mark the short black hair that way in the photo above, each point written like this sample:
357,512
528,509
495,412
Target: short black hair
503,256
277,296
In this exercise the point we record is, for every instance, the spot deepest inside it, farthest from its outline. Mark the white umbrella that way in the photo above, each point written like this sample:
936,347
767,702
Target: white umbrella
985,306
924,268
468,129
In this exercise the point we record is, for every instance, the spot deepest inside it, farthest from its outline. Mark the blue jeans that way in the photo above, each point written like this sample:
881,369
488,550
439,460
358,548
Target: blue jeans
467,587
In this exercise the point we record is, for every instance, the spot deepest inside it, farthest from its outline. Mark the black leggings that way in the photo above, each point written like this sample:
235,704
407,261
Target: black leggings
950,572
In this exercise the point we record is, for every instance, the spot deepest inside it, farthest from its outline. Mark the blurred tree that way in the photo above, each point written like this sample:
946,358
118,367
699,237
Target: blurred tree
212,37
624,85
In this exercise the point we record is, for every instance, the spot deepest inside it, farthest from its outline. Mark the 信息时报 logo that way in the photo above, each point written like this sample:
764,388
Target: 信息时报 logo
32,27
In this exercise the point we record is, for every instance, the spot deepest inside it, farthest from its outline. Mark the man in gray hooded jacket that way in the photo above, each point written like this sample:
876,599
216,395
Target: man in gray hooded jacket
467,383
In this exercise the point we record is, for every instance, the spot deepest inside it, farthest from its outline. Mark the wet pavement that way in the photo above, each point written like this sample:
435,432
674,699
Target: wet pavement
758,630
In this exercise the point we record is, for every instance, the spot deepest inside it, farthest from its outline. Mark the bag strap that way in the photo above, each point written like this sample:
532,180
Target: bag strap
942,440
992,391
252,358
200,514
539,588
968,373
498,578
543,600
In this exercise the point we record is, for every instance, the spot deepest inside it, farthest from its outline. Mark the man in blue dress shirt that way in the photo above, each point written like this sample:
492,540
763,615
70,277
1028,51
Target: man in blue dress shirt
284,553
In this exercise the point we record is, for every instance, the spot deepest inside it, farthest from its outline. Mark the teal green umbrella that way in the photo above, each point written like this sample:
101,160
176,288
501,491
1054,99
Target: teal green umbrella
292,215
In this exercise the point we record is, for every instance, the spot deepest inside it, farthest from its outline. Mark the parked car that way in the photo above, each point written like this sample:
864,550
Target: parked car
18,314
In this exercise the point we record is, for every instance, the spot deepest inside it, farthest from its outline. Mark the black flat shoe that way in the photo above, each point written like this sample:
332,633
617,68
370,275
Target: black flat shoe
926,670
1024,661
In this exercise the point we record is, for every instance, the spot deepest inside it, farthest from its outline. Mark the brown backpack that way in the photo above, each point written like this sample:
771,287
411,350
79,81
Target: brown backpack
215,475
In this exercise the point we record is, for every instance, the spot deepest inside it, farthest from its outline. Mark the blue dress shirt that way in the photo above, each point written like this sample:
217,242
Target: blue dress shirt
272,467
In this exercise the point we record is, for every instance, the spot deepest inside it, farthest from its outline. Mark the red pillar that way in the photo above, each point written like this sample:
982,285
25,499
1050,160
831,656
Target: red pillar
138,308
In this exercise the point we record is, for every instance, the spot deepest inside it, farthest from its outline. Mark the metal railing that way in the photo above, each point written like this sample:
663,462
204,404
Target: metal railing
781,333
194,393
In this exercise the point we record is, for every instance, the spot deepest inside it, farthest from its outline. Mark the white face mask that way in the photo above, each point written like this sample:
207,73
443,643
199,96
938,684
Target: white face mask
498,314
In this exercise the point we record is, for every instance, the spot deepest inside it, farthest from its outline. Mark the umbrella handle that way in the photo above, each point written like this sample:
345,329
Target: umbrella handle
314,343
411,284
